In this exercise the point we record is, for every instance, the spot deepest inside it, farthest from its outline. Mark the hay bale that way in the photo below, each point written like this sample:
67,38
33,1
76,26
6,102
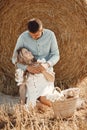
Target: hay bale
67,18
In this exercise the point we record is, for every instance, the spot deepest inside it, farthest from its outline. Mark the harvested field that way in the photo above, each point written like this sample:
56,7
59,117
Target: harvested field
16,117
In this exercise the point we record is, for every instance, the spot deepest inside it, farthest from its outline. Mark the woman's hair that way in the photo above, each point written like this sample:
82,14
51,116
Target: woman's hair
19,55
21,58
34,25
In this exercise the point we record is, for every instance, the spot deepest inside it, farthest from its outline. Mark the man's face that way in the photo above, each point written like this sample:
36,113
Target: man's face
37,34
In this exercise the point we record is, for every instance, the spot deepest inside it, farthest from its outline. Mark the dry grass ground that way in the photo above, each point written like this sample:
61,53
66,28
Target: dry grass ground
17,118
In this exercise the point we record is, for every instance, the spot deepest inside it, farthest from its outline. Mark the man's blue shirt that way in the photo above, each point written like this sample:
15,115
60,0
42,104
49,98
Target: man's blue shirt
44,47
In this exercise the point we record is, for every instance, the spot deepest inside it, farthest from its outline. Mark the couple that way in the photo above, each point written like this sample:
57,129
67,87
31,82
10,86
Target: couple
42,44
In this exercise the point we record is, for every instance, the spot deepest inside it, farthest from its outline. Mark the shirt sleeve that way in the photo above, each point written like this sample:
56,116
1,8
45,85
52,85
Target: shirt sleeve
19,44
54,53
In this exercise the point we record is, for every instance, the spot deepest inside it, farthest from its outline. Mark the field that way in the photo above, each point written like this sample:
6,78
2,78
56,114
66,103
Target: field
17,117
68,20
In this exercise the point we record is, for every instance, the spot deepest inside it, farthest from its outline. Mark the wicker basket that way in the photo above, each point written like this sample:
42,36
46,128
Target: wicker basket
65,108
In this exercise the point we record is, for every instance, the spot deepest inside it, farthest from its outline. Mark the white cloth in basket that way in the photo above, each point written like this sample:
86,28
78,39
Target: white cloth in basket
55,95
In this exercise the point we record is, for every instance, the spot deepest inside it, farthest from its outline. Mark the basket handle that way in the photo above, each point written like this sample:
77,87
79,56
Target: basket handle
58,89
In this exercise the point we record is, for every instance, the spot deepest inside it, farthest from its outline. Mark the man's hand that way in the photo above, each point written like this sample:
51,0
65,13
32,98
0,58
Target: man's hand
41,68
35,69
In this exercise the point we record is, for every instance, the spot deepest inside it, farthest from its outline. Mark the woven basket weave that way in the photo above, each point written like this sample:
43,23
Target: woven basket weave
65,108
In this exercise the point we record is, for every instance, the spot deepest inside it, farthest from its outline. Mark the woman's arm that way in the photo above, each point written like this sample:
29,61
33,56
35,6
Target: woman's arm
48,76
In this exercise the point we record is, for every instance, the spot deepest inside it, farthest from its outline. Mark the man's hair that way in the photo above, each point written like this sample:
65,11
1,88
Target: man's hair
34,25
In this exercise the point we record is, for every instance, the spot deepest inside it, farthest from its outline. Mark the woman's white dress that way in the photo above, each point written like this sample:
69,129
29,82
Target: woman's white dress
38,85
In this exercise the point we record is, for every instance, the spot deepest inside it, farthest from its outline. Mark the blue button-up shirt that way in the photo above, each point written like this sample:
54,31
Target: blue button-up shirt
44,47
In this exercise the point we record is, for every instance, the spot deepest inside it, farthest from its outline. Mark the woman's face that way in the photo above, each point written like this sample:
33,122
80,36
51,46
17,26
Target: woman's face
27,54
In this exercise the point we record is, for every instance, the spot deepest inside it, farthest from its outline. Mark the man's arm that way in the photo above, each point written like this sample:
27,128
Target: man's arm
48,75
54,53
19,44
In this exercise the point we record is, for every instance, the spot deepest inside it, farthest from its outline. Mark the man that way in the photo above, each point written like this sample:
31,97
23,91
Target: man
42,43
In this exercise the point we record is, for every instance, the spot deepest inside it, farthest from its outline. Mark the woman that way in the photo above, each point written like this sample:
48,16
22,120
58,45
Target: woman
39,86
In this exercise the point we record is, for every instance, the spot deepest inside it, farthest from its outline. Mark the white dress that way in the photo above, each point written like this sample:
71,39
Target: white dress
38,85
